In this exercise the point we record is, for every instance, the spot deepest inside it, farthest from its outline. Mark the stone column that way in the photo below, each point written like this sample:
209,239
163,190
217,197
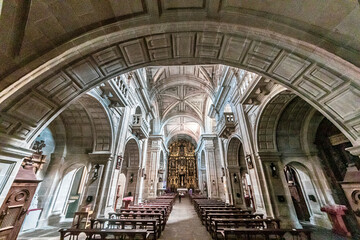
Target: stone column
140,188
223,177
48,187
254,166
152,166
211,166
280,196
105,187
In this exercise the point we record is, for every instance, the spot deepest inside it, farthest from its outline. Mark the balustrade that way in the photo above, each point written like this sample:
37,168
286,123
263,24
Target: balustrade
226,125
139,126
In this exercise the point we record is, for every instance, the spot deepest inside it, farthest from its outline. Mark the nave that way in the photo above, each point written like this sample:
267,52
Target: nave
191,218
107,105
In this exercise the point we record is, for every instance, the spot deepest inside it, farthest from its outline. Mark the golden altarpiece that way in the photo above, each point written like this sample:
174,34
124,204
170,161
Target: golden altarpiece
182,172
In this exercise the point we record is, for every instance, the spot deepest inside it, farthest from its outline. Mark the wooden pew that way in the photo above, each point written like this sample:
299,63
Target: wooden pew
218,224
156,208
151,225
127,215
211,216
258,234
202,209
199,206
167,206
141,210
73,233
206,212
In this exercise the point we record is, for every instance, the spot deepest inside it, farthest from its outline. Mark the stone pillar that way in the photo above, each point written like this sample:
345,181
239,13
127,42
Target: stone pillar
211,166
254,166
279,192
48,187
140,187
224,182
105,188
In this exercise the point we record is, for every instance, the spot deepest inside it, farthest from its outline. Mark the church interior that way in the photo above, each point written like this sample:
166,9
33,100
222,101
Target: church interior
186,119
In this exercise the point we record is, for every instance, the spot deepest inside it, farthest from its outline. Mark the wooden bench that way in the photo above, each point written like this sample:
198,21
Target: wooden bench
211,216
167,205
219,224
127,215
73,233
258,234
151,225
202,209
155,208
204,216
141,210
198,207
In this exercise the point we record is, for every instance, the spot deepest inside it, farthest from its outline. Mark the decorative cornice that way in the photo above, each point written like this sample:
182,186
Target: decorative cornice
13,151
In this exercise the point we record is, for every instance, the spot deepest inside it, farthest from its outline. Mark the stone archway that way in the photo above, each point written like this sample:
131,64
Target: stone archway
239,184
302,67
131,168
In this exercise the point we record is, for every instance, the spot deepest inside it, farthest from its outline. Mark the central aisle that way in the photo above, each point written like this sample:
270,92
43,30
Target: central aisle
184,223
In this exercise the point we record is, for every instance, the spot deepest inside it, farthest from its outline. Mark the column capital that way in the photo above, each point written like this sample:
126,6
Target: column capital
14,151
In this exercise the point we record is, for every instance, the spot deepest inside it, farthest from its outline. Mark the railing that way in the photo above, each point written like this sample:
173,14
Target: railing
116,91
249,77
226,125
140,127
121,85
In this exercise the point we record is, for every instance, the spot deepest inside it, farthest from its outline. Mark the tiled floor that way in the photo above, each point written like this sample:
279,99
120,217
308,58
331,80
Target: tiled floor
183,224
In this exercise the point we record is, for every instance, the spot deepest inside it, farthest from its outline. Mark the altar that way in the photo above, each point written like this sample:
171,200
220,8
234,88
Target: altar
182,190
182,169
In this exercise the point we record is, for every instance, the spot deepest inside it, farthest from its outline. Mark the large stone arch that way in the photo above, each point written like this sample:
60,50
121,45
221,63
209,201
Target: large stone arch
323,79
265,134
290,124
101,121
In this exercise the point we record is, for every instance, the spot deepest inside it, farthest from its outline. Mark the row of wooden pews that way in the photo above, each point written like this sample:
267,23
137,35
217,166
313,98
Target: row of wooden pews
228,222
143,221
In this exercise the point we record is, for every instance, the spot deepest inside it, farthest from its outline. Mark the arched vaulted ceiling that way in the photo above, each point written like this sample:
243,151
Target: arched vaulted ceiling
181,94
53,51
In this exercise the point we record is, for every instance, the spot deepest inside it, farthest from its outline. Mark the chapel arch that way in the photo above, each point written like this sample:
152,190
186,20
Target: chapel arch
69,191
287,126
239,184
120,191
131,168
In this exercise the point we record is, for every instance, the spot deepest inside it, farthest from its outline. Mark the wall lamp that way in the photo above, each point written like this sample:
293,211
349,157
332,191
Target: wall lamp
235,178
274,170
96,172
249,161
131,177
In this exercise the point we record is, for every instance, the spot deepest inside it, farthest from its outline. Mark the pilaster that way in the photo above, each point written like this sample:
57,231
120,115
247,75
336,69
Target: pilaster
280,196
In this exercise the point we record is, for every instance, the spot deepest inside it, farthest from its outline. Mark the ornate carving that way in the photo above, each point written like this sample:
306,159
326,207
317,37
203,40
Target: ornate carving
38,145
182,165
